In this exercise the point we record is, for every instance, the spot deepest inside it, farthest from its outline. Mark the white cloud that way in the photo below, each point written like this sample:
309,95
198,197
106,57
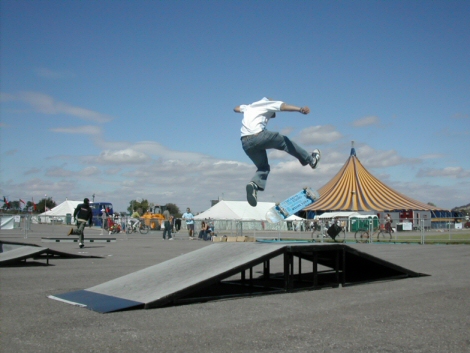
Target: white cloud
126,156
90,171
381,159
32,171
433,156
286,131
53,74
448,172
45,104
156,149
58,172
150,170
85,130
366,121
318,135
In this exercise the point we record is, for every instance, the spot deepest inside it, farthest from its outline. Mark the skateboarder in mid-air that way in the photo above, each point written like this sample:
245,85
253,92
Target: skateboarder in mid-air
256,139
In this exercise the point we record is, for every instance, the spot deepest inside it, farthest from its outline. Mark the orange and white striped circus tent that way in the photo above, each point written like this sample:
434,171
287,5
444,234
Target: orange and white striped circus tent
353,188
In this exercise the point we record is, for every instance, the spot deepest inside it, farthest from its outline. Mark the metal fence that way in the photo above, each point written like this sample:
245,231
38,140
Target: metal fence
414,231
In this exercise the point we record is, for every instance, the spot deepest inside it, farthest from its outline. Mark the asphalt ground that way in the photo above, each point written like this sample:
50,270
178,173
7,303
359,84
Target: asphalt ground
425,314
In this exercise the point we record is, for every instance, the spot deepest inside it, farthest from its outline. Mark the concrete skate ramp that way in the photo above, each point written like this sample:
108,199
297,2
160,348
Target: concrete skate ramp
199,275
16,253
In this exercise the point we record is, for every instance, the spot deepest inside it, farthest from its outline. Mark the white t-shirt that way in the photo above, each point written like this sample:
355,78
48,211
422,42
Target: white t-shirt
256,115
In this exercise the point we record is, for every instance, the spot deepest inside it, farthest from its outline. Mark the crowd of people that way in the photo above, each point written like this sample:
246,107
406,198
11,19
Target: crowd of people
113,223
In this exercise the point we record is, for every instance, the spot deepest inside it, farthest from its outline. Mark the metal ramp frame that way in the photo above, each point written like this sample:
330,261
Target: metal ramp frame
219,271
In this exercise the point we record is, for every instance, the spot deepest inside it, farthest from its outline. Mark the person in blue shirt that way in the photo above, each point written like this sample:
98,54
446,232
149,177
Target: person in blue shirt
189,218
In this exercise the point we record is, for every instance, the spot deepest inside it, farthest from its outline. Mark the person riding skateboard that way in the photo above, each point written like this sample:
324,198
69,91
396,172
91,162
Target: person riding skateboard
82,215
256,139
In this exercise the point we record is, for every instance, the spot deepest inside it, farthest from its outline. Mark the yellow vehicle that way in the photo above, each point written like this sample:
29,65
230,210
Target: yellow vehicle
154,217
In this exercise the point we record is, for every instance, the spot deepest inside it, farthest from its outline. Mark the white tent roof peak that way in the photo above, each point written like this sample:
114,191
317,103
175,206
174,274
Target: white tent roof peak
236,210
62,209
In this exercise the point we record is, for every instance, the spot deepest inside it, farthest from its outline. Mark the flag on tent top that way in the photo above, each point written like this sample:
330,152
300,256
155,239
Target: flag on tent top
21,201
6,202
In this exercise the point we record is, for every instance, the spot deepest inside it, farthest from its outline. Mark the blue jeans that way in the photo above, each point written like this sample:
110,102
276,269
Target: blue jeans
167,230
255,147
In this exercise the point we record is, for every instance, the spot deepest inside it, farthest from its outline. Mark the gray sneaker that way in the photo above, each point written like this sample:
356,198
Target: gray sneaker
316,156
252,194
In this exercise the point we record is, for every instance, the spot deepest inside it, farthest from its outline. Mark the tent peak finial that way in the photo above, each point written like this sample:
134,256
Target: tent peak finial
353,150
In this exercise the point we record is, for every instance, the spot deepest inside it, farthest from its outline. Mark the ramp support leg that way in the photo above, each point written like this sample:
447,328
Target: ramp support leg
340,266
343,279
243,275
266,269
288,270
337,267
315,268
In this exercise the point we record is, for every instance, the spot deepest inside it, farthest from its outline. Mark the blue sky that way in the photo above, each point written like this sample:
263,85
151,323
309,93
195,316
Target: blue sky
134,99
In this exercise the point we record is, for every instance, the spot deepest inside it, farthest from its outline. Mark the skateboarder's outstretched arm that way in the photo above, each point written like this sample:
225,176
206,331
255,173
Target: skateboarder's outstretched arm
292,108
284,108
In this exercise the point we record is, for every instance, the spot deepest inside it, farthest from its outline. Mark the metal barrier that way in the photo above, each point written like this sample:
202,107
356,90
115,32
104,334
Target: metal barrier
414,231
16,224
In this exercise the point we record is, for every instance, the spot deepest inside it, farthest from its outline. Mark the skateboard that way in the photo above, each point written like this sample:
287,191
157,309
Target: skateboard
292,205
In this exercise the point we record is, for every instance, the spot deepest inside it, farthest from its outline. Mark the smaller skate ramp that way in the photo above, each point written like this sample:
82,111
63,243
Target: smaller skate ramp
20,254
15,253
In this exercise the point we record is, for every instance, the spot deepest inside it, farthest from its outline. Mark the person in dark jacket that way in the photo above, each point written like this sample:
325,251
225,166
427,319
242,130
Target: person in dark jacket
83,215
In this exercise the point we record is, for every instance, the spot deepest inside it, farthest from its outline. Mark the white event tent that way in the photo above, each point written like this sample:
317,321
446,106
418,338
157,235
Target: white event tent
229,215
58,213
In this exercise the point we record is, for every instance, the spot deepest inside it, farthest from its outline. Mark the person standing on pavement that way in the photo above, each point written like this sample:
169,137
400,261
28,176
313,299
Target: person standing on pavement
167,224
256,139
82,215
189,218
104,220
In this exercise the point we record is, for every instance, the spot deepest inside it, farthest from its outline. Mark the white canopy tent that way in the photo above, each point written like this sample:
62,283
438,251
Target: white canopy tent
295,218
223,213
58,213
237,210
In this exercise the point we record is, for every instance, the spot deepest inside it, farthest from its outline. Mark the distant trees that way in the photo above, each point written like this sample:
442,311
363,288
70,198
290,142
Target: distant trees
40,207
46,202
173,209
143,205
